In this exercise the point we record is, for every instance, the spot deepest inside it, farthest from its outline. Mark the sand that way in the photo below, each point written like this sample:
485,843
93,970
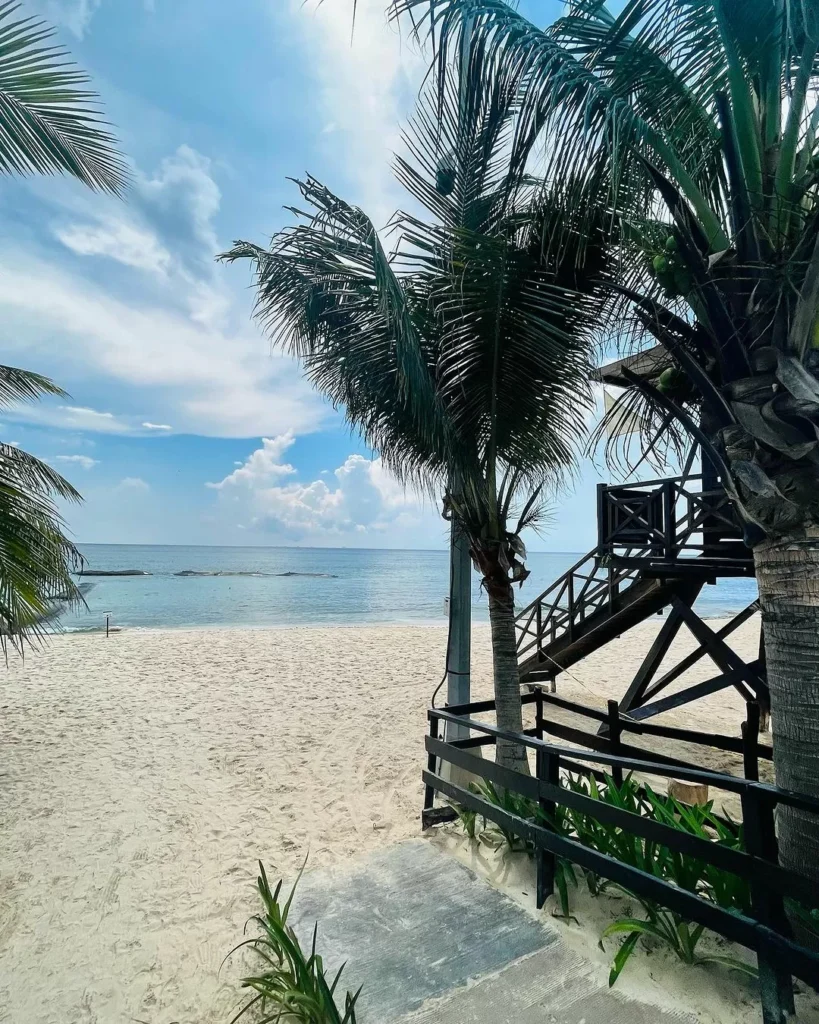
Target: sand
142,776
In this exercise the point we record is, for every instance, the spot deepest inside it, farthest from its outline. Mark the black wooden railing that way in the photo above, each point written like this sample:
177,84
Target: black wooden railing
667,520
584,590
765,930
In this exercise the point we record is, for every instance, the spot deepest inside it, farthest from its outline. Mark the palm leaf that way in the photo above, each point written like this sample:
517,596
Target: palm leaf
50,123
465,353
36,558
25,386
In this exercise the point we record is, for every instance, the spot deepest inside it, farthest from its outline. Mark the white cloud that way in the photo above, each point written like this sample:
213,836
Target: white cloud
134,483
364,500
214,382
367,87
70,417
178,334
262,465
81,460
118,239
166,230
75,15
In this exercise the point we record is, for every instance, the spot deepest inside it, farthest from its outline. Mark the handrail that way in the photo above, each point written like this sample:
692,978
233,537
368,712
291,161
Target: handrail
589,586
703,776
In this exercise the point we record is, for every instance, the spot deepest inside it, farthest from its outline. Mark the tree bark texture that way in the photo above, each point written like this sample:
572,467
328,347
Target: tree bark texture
788,577
506,674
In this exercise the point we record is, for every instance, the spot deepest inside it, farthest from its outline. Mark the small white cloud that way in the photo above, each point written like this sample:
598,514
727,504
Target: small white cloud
134,483
262,466
120,240
85,411
81,460
75,15
157,426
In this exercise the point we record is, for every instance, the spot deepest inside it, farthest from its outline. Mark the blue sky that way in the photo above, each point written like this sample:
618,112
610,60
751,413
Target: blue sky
173,388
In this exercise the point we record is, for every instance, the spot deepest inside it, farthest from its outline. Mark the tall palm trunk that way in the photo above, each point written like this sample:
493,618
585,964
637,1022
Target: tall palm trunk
505,666
788,577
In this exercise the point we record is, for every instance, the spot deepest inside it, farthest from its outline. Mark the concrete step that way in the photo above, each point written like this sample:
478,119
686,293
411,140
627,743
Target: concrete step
431,942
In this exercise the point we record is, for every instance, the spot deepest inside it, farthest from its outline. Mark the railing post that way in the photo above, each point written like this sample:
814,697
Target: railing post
539,713
602,524
615,731
570,606
750,742
547,769
775,983
429,791
669,526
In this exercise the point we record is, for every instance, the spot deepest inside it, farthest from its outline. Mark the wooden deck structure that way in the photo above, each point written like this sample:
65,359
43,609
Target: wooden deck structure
659,543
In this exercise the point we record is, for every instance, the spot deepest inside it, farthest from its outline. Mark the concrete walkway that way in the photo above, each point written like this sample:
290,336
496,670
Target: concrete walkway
431,943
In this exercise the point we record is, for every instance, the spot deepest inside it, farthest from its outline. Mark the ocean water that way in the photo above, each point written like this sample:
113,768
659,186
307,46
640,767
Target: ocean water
349,586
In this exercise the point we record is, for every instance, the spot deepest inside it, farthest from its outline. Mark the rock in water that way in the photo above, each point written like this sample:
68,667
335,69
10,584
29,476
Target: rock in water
113,572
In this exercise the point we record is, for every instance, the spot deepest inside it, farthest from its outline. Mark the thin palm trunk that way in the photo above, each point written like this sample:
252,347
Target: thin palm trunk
788,577
506,674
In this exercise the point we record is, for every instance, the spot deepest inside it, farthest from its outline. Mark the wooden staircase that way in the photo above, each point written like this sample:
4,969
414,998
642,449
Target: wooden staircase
659,542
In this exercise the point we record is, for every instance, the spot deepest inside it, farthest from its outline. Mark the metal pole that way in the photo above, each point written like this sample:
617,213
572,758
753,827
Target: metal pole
460,627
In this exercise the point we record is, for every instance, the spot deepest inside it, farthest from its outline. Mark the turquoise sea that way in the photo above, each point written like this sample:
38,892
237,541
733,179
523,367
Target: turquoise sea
338,586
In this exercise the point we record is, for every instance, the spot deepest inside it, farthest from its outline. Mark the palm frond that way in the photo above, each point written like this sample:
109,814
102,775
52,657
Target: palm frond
36,558
465,354
25,386
328,293
594,129
49,122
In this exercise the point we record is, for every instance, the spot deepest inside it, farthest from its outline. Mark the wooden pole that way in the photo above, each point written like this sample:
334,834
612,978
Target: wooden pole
460,628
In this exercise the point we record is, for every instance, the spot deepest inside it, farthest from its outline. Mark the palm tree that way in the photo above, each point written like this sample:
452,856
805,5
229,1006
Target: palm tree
462,357
36,558
703,119
49,124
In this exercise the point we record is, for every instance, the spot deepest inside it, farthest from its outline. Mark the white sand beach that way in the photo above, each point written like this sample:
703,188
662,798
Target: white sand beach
142,776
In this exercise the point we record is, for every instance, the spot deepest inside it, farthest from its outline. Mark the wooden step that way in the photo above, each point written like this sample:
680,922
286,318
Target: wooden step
643,598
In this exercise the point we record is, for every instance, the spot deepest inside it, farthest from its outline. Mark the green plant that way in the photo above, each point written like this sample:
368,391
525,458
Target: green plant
468,819
511,802
669,928
292,987
687,872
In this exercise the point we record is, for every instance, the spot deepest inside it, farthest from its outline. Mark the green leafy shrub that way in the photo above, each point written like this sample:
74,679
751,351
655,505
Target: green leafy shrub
673,931
687,872
292,985
512,803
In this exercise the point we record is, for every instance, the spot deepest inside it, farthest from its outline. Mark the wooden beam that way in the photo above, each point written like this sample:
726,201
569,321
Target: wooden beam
676,700
635,695
691,659
721,654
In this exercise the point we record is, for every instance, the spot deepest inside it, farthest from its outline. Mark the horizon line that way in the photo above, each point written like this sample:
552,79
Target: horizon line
286,547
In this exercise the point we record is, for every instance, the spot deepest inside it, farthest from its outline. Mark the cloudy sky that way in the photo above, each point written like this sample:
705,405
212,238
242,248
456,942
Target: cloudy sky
182,425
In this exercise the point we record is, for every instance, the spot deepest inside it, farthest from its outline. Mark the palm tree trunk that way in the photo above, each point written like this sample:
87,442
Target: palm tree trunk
788,577
505,664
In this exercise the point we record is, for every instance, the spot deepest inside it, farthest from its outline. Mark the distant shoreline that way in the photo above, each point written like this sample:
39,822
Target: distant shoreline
478,623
